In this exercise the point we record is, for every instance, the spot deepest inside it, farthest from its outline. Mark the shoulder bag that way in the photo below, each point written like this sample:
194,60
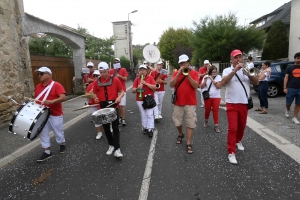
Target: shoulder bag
175,90
250,102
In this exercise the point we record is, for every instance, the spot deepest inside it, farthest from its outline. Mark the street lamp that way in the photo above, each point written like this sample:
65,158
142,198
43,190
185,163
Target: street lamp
130,43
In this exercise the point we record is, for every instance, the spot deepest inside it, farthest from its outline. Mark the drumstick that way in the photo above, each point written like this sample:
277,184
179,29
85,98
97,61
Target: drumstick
87,106
110,104
31,99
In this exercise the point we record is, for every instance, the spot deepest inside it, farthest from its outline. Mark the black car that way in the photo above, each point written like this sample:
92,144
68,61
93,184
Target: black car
277,77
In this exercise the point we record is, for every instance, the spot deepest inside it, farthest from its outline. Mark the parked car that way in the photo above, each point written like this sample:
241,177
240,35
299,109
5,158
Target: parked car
277,77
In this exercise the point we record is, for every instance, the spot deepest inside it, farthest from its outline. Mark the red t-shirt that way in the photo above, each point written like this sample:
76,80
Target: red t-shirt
123,72
202,70
186,94
147,79
56,90
155,75
86,76
112,90
91,100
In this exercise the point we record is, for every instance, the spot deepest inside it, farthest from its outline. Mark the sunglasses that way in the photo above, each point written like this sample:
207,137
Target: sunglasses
41,73
95,76
90,66
116,62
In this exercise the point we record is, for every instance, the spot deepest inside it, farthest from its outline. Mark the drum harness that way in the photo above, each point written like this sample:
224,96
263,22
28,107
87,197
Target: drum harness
47,89
104,104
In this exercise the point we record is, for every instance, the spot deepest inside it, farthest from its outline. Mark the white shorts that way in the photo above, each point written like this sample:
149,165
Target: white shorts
123,100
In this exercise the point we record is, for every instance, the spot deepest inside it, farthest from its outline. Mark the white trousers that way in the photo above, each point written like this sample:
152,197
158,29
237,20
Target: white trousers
147,116
159,97
55,124
92,110
202,100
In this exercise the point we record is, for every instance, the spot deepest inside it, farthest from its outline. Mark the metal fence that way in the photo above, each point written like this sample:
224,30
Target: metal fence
222,66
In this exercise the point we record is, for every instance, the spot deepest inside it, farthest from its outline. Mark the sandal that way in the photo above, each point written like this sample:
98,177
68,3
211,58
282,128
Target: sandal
258,109
179,139
263,112
217,129
189,149
205,124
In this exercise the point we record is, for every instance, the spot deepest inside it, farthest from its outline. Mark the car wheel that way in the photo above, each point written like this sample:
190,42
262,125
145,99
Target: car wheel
273,90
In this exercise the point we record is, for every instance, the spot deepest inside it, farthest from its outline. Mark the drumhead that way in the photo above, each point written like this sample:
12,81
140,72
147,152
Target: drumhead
103,111
38,124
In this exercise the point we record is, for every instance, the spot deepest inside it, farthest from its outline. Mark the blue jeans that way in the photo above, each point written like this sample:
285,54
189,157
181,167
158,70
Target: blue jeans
262,94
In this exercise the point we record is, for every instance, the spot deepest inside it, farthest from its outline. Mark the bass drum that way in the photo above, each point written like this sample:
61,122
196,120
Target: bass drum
29,120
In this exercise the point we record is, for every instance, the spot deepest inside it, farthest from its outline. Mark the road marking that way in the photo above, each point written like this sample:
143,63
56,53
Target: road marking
148,170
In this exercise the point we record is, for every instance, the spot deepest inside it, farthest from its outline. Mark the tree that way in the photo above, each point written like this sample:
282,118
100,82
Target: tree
137,52
277,43
214,39
125,63
174,42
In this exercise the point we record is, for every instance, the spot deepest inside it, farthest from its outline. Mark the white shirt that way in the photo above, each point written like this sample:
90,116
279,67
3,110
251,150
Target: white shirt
235,92
250,65
266,73
213,91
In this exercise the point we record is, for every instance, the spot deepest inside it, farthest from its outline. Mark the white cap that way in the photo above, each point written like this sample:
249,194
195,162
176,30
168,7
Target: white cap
159,62
44,69
96,72
206,61
103,66
142,66
145,62
118,59
183,58
90,64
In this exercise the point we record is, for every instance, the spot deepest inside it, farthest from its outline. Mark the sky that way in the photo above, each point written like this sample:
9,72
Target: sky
152,18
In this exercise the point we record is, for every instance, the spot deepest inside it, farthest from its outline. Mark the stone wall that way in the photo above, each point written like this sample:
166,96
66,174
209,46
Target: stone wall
15,69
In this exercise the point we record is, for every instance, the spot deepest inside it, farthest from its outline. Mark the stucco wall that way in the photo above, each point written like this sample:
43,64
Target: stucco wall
15,69
294,29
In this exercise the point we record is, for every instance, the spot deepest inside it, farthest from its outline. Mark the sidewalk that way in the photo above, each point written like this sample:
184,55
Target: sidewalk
12,146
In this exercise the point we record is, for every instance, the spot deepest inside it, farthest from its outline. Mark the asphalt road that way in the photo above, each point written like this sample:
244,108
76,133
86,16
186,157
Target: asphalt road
86,172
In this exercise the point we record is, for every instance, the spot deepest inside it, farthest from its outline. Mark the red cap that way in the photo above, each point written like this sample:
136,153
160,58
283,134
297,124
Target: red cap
235,53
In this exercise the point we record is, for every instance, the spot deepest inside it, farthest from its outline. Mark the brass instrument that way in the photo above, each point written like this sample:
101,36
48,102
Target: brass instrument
186,70
250,71
140,95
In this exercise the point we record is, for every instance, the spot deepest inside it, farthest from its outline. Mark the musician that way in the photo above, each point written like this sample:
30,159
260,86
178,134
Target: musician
121,74
203,72
236,102
108,89
52,94
91,101
161,80
149,67
186,101
88,78
147,83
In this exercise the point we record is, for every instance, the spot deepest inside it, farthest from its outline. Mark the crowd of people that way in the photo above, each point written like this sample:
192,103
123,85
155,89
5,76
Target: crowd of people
107,87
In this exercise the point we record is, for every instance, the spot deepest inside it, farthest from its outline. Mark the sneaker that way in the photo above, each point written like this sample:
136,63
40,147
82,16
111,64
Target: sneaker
295,120
120,120
156,118
287,113
44,157
232,159
111,129
159,116
110,150
99,135
240,146
123,122
202,106
145,131
150,133
118,153
62,149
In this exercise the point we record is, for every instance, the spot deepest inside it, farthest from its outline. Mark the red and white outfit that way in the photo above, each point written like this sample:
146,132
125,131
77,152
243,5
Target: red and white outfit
159,93
122,72
55,121
236,107
147,116
91,101
86,76
202,70
214,99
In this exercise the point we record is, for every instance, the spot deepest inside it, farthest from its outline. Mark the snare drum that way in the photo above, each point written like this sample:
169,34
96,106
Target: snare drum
29,120
104,116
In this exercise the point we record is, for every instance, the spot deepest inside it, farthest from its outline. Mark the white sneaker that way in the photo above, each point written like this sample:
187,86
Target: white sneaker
232,159
110,150
118,153
240,146
99,135
159,116
111,129
202,106
295,120
156,117
287,113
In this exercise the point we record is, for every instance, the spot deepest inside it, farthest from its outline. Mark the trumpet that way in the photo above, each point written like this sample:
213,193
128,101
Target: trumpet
250,71
186,70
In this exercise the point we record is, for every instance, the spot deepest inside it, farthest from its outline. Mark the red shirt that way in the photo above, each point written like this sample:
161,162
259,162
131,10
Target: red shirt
155,75
122,72
86,76
56,90
202,70
186,94
147,79
88,90
112,90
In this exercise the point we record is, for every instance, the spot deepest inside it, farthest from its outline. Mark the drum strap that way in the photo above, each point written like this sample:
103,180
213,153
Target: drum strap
47,89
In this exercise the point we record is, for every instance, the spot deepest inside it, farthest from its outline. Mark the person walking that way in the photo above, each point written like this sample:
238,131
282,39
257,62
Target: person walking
263,87
186,100
291,87
203,72
209,84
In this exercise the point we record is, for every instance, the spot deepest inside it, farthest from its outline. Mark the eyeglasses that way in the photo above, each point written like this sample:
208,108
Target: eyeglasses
90,66
95,76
